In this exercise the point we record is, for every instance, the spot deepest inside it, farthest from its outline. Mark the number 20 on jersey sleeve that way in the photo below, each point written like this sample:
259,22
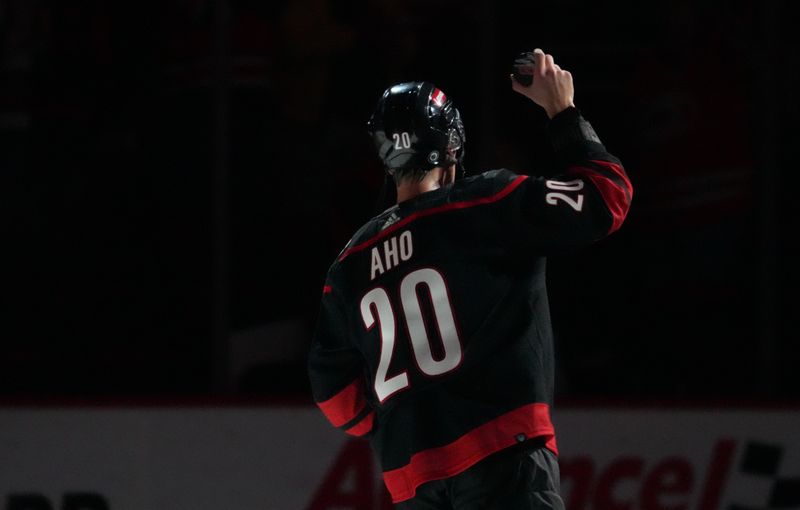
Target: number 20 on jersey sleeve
376,306
575,201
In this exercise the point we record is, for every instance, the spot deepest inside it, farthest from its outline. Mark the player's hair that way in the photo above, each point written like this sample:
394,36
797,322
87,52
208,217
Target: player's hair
401,175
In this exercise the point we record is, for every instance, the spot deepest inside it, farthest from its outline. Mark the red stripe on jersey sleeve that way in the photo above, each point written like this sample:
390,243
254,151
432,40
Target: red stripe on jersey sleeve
345,405
616,197
327,289
362,427
464,204
532,420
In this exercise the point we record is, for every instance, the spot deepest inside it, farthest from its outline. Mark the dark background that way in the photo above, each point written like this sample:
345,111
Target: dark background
176,176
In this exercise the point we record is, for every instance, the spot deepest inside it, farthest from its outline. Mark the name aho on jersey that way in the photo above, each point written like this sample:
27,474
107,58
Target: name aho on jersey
390,253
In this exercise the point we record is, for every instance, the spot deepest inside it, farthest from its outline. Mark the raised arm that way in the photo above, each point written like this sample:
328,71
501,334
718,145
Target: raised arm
591,195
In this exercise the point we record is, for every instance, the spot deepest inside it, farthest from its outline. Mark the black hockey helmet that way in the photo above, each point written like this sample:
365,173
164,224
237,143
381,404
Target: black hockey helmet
415,126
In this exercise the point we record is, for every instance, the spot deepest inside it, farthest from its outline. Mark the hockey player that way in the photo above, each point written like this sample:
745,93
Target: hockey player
434,336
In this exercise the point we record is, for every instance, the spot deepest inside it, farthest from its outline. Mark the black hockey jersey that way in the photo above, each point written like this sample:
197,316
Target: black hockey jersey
434,336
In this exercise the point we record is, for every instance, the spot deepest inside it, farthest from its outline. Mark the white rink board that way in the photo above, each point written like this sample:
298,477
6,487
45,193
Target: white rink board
154,459
278,458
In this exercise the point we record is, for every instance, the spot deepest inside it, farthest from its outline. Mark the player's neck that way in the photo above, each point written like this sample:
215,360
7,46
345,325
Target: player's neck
434,180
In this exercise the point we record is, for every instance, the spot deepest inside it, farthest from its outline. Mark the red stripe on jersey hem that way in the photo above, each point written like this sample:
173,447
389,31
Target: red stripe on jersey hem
345,405
362,427
435,210
532,420
616,198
